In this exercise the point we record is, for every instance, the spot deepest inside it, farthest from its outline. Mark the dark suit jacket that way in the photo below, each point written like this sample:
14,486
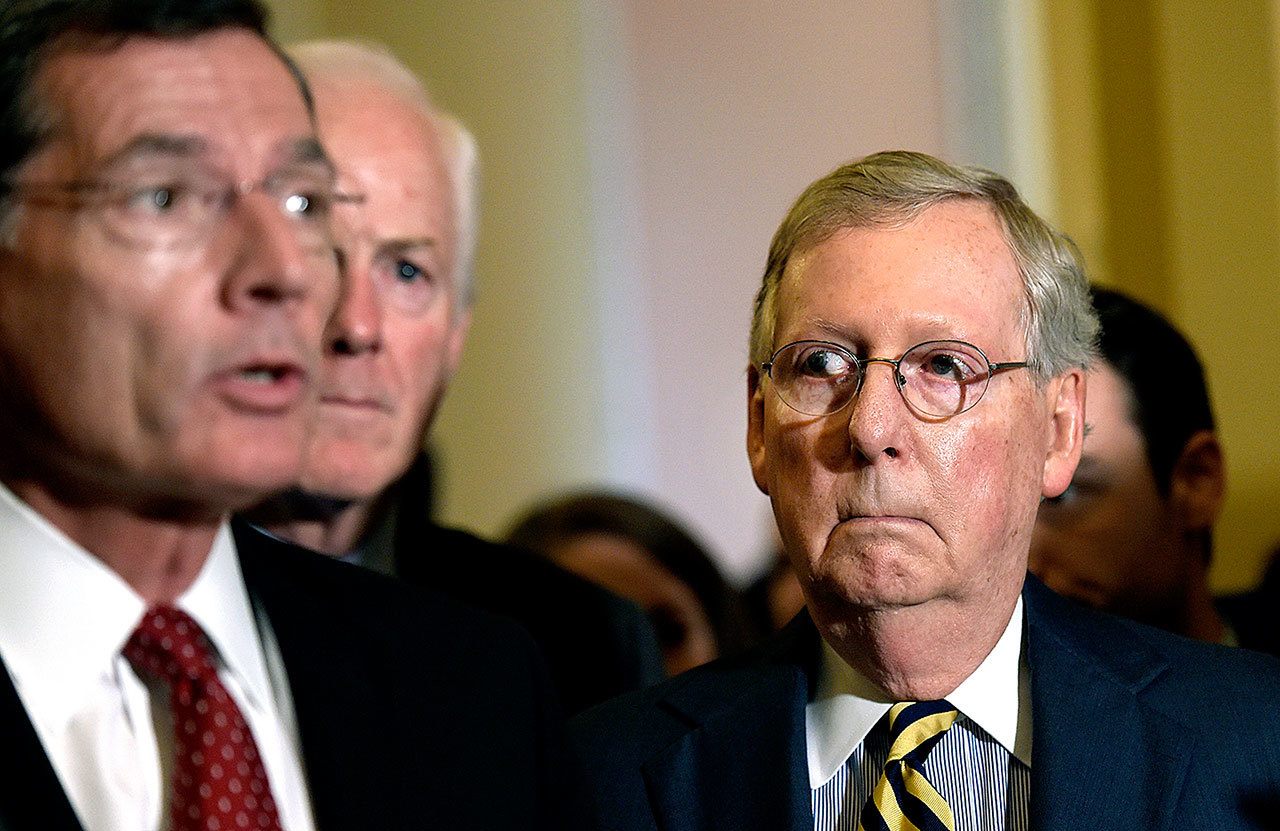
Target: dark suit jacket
597,645
413,712
1132,728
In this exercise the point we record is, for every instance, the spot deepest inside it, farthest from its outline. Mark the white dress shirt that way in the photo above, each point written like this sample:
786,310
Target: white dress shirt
64,620
995,698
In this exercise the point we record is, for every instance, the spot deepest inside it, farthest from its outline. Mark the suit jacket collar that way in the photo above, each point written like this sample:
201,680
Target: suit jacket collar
320,648
1102,758
319,638
741,765
32,796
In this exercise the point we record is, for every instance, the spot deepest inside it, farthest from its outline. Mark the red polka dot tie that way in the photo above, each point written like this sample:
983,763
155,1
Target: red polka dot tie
219,782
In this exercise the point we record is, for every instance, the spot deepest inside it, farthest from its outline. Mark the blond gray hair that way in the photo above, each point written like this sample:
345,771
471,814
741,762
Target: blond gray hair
360,61
893,188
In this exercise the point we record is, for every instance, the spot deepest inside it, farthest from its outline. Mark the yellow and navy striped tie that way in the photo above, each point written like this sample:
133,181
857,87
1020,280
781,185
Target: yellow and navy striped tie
903,800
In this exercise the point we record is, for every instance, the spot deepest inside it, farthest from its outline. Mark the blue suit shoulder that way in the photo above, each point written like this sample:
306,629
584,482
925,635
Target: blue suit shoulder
1199,683
725,740
1195,723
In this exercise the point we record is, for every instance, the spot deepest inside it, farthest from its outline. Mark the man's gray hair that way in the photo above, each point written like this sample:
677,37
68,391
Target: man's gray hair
358,61
893,188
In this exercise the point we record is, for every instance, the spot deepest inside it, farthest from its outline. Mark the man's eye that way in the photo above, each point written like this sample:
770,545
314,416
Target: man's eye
948,365
156,199
823,363
407,272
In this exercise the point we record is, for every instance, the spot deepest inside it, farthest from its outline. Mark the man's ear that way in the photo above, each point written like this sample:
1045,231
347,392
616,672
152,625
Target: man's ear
1066,431
1199,481
755,429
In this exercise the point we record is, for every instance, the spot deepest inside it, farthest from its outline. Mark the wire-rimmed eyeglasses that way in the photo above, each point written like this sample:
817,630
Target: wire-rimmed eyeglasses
175,211
938,378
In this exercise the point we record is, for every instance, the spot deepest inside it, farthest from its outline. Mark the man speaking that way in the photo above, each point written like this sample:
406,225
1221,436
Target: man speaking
166,272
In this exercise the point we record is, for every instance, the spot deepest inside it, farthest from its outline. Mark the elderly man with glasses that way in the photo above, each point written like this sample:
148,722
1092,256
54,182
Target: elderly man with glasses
166,274
916,388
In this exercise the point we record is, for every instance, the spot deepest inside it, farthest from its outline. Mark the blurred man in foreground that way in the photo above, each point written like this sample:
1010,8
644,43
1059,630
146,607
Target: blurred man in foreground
166,272
395,342
1133,533
916,387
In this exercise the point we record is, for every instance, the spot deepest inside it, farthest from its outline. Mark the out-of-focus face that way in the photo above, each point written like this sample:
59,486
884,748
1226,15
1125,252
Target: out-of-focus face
398,333
877,508
628,570
1110,539
158,370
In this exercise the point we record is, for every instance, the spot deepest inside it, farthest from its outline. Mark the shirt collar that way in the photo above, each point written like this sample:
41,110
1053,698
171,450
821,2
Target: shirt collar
67,615
220,603
996,697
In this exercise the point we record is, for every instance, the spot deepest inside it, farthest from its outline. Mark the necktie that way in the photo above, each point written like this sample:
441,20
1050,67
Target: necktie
903,800
219,782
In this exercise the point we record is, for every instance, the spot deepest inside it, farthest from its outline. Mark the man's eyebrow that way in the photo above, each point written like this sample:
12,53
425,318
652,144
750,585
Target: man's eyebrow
832,329
162,145
308,151
407,243
924,327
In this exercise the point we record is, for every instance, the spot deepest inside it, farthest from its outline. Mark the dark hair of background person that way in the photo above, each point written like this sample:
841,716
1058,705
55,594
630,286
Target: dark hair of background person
1170,398
30,30
1255,614
561,520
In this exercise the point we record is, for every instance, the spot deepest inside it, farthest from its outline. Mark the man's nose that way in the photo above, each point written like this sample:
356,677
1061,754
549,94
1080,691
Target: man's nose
356,326
877,414
279,261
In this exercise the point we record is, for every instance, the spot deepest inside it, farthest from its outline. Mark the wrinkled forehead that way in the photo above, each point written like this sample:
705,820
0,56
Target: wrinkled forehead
224,95
947,273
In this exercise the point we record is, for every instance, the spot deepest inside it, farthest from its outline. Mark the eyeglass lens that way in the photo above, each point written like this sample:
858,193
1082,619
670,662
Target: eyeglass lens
936,378
182,208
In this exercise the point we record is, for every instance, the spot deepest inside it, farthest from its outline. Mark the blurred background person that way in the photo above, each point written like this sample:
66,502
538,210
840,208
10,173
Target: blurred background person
1255,614
406,244
775,596
632,548
1133,534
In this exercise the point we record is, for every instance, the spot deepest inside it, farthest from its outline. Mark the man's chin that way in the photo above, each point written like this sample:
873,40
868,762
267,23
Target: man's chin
876,577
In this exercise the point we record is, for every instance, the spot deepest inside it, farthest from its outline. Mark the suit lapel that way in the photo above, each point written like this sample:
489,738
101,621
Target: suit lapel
1101,758
32,797
319,644
742,765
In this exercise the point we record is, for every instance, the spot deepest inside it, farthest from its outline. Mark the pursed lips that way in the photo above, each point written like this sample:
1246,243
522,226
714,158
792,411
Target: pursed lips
879,517
356,401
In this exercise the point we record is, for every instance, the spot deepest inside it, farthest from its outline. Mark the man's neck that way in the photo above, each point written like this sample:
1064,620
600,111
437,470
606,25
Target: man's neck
1200,617
916,653
331,527
158,556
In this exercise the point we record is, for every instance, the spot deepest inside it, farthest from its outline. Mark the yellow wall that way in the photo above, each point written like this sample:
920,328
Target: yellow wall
1166,134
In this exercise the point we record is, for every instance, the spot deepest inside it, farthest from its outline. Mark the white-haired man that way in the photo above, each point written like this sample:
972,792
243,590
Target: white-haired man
916,387
406,245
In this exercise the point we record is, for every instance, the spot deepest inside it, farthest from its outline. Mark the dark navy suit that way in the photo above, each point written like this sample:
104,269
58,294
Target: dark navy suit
413,712
1132,728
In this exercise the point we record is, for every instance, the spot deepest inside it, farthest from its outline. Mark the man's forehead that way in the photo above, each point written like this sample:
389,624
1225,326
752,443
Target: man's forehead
948,269
222,93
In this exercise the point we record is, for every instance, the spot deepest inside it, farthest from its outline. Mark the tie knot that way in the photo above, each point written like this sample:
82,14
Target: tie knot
169,645
916,726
